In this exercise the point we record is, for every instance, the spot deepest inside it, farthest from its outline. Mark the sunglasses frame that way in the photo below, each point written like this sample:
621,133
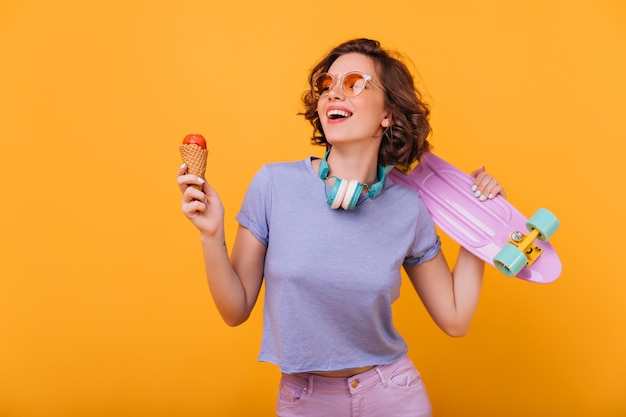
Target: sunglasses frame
339,79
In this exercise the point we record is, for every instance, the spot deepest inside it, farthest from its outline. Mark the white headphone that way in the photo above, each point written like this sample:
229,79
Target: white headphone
345,193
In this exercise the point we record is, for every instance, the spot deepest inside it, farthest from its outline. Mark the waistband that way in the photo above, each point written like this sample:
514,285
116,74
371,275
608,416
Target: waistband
375,376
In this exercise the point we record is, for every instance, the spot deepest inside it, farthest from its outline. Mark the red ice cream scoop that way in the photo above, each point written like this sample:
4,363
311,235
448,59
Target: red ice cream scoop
195,139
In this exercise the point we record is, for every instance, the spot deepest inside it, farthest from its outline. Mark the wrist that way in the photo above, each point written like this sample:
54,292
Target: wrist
217,239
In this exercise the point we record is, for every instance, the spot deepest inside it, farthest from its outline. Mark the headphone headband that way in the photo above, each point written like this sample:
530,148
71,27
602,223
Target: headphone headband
348,201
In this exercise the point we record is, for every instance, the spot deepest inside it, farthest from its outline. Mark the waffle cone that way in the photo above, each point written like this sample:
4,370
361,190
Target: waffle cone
195,157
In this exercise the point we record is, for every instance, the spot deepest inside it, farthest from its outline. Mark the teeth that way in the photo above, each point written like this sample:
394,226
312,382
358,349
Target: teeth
337,113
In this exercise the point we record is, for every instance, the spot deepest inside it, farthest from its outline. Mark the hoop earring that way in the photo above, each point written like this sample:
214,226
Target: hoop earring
388,133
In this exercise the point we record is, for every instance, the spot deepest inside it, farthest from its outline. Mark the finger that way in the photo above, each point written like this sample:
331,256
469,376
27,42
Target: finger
496,189
481,179
488,187
191,193
185,180
482,185
193,208
478,171
492,187
478,184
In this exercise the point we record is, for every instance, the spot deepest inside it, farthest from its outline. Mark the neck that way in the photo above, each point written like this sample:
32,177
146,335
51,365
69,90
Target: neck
358,165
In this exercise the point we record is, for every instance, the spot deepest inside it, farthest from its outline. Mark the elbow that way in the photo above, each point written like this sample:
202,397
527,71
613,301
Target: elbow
233,315
234,321
456,330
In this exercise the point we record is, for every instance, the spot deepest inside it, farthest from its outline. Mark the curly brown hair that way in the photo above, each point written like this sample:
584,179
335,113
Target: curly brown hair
405,140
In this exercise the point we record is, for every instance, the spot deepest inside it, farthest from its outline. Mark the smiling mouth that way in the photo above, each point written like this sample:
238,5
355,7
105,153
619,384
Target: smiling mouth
338,114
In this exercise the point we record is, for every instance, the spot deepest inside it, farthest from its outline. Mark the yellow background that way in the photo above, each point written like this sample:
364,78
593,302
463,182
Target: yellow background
104,310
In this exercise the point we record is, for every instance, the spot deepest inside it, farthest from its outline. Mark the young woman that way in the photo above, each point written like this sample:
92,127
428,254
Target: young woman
330,237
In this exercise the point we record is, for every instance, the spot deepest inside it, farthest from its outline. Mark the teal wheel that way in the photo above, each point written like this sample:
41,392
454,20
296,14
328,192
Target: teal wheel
544,222
510,260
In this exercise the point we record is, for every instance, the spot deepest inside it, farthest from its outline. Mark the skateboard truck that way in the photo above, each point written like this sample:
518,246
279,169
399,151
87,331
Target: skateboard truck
526,244
520,251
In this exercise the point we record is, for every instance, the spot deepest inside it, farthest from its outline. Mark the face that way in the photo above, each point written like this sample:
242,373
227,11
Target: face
352,118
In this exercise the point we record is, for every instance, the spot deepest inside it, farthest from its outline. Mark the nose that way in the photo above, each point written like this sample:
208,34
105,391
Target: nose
336,92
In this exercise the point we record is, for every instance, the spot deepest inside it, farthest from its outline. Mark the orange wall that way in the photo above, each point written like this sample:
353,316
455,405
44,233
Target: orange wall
103,305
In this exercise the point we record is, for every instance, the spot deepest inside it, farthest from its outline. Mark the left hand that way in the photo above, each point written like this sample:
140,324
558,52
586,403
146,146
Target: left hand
486,186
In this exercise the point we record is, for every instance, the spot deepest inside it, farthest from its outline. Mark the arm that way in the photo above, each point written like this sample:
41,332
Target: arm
451,298
234,282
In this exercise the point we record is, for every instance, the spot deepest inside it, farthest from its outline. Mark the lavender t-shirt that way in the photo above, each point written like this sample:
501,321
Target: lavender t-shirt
332,275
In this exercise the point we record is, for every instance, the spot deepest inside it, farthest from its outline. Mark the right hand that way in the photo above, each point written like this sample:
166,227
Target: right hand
485,185
203,207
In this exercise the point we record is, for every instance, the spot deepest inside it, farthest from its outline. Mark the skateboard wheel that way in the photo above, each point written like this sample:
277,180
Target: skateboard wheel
510,260
544,222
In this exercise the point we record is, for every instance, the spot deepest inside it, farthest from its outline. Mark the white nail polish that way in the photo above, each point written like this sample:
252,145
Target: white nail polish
474,187
490,196
200,180
477,193
482,197
183,165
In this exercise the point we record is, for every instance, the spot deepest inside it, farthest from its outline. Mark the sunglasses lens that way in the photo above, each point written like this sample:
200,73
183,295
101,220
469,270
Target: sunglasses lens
322,83
353,83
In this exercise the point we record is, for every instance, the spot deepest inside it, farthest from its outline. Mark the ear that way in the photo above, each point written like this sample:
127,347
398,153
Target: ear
386,122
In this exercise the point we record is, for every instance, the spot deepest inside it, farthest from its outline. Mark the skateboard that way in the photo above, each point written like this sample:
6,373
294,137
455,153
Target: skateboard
493,230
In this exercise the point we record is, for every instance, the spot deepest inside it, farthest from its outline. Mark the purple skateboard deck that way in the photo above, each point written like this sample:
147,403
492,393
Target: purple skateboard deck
481,227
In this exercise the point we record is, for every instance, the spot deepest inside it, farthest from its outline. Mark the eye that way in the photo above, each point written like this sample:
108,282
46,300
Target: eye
323,84
353,83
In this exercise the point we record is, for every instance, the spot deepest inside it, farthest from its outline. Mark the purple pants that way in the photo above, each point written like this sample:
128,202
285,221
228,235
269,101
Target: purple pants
386,390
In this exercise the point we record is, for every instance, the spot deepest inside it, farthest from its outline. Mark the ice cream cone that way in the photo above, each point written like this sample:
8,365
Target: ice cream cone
195,157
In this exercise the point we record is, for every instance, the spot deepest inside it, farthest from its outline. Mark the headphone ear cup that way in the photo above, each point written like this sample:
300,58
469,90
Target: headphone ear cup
352,195
337,194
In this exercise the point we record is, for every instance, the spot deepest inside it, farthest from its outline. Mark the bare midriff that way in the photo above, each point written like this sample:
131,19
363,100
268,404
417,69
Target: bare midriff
344,373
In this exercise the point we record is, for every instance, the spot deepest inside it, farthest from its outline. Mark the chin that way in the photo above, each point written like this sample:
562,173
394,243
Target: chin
337,138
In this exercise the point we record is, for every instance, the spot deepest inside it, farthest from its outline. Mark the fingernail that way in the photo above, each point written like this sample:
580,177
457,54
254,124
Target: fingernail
477,193
490,196
482,197
200,180
183,165
474,187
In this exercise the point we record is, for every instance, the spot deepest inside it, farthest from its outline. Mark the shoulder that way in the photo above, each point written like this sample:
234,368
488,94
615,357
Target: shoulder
288,166
401,201
400,191
283,175
286,171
